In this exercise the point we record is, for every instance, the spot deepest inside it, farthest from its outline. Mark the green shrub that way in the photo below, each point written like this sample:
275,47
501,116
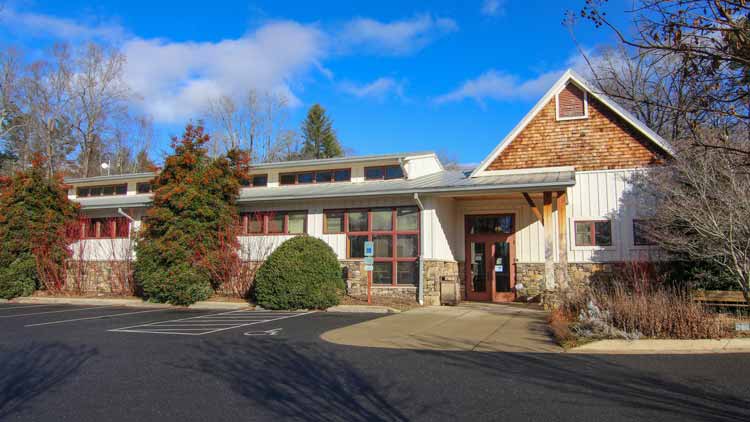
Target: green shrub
19,278
302,273
179,284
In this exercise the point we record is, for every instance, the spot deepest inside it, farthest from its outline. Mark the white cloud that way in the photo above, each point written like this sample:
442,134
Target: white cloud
493,7
39,25
379,88
497,85
397,37
176,79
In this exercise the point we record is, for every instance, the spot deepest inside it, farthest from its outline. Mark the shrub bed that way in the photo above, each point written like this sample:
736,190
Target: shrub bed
619,311
302,273
19,278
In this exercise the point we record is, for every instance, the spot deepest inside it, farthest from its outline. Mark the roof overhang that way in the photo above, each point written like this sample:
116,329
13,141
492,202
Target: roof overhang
114,202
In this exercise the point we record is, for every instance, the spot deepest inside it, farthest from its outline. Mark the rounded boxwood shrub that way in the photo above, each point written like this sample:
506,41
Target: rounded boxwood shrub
19,278
302,273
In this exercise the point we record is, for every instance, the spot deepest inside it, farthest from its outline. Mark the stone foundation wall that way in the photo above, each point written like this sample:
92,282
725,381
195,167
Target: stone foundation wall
104,277
532,275
435,274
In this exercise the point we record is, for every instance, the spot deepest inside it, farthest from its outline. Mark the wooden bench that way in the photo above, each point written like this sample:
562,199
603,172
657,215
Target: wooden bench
728,298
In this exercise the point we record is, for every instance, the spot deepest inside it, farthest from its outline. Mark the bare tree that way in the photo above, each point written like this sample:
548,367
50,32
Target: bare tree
255,122
100,102
703,211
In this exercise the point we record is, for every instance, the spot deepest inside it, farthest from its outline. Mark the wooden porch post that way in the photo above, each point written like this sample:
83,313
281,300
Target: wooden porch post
562,239
549,243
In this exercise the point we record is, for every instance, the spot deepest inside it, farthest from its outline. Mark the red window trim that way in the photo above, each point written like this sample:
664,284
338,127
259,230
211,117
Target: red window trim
252,185
244,222
370,233
111,222
592,231
315,176
384,172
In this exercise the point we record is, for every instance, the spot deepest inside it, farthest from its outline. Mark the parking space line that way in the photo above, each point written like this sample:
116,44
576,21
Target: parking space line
52,312
11,308
96,317
208,324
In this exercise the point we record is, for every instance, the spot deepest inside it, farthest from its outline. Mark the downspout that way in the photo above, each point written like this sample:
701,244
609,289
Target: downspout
124,214
421,260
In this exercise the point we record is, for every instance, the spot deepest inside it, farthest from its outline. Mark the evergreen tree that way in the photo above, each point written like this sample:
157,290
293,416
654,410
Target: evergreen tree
319,138
194,205
35,219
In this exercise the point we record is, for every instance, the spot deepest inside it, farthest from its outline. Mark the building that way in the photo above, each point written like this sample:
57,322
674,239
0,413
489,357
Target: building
550,205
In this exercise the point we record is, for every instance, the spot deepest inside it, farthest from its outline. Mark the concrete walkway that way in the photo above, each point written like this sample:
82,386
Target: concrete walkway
653,346
125,301
469,327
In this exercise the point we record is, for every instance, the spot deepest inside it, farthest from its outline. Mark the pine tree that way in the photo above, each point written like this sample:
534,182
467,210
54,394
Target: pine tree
194,205
319,138
35,218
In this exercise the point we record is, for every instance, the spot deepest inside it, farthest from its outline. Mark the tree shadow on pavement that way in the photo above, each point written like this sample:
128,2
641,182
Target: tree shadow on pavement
29,371
603,378
302,382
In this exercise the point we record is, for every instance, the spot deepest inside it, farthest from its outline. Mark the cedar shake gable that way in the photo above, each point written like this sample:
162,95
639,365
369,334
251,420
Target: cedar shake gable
572,126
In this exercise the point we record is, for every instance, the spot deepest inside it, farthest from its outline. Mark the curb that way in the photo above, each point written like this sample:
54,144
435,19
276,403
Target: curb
362,309
137,303
648,346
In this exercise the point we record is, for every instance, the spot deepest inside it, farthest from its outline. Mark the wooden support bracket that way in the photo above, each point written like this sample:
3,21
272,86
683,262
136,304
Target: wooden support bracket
534,208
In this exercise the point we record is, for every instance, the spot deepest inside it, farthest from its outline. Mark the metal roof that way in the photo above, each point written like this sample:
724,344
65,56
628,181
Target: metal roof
443,182
112,178
115,201
440,182
341,160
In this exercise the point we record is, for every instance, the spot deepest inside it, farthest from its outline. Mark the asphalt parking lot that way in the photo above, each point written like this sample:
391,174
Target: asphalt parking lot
85,363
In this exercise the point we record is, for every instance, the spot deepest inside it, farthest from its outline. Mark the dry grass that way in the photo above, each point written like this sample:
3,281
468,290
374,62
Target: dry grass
647,311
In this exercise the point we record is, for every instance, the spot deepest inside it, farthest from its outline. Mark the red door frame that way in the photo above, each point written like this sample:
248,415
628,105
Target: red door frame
490,239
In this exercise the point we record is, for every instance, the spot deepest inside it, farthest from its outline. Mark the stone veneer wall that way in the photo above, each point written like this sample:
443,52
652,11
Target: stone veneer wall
435,273
101,277
532,275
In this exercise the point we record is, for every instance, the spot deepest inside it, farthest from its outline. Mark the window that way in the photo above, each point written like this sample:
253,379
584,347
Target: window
103,190
395,236
481,224
255,181
273,222
143,187
384,173
334,222
593,233
106,228
319,176
640,233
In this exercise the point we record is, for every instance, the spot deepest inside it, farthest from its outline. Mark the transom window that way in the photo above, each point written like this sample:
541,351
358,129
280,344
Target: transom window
273,222
256,180
640,233
384,173
143,187
317,176
105,228
394,232
102,190
489,224
593,233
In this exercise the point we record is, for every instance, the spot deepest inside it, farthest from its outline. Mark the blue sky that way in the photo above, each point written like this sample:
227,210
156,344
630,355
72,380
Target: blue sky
395,76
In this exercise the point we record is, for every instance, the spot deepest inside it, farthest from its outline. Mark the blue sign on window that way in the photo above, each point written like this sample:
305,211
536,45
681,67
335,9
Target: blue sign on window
369,248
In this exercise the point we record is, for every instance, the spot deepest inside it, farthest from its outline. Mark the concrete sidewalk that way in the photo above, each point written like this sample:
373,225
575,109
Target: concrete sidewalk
664,347
469,327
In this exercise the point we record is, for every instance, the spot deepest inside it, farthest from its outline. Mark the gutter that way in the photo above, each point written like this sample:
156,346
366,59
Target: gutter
126,215
420,287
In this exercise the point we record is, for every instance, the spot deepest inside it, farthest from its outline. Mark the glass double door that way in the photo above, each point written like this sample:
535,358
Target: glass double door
490,274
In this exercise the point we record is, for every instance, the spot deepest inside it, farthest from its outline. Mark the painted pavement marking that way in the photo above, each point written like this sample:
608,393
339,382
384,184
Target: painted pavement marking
96,317
14,307
209,324
53,312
